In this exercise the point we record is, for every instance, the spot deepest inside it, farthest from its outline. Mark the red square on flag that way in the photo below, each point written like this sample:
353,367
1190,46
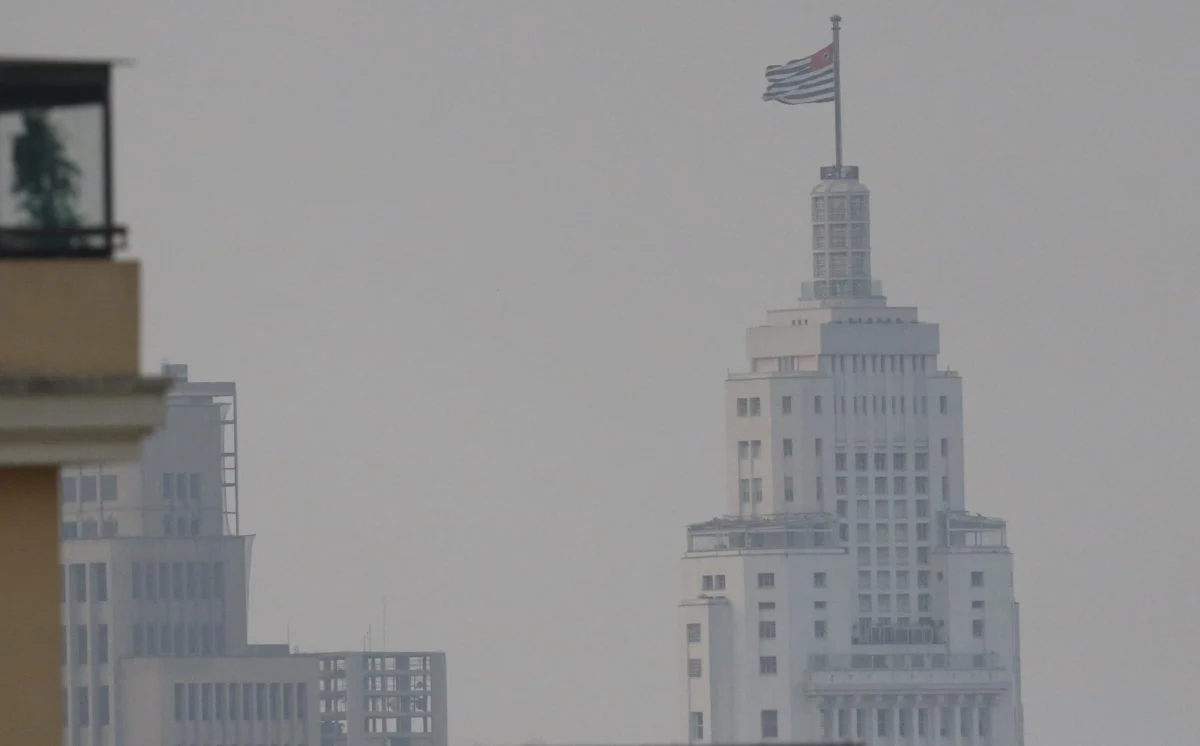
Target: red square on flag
823,58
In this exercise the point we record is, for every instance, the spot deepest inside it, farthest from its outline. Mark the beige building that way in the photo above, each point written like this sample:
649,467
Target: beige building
70,391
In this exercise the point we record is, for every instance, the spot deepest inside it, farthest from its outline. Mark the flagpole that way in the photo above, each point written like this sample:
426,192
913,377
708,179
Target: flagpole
837,90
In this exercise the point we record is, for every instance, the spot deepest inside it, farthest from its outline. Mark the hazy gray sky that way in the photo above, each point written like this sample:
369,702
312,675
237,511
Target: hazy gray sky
479,270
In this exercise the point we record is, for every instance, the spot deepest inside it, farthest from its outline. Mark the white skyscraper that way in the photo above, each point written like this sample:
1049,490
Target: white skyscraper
155,590
848,594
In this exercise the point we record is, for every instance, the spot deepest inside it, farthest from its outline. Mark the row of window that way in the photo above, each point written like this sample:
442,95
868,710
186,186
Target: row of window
885,555
899,486
181,525
88,488
887,532
74,585
178,640
883,579
880,363
835,207
899,460
382,663
751,406
882,603
176,486
88,528
79,647
834,237
179,581
229,702
876,404
897,509
86,707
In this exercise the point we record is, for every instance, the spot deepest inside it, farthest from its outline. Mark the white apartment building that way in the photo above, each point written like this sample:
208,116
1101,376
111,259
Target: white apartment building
383,698
155,592
848,594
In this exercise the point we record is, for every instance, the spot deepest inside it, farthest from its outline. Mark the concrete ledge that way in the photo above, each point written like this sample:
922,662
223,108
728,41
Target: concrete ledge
56,420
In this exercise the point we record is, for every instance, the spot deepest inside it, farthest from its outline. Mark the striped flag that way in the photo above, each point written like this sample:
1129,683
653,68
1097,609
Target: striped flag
808,80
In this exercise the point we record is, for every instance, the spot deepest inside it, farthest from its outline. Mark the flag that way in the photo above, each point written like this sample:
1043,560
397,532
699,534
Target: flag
808,80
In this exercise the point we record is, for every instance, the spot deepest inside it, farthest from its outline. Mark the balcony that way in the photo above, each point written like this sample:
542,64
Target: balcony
56,196
920,634
787,531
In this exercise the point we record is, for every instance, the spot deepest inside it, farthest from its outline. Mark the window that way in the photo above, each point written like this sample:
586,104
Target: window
766,630
861,485
82,709
921,485
820,489
901,555
883,555
81,645
787,446
766,605
695,668
922,578
789,491
899,462
945,447
842,508
881,509
864,579
924,602
138,645
786,404
884,601
945,487
977,579
864,603
922,532
693,632
67,489
766,580
756,485
744,490
743,449
840,486
901,533
70,530
881,485
817,447
881,533
755,406
78,577
922,555
818,209
756,449
99,581
900,509
819,580
743,407
864,556
943,404
883,580
770,723
696,725
100,648
180,703
900,486
181,486
719,582
902,580
87,489
819,629
922,508
862,533
977,605
880,462
977,627
767,665
839,461
816,405
860,462
194,480
921,461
